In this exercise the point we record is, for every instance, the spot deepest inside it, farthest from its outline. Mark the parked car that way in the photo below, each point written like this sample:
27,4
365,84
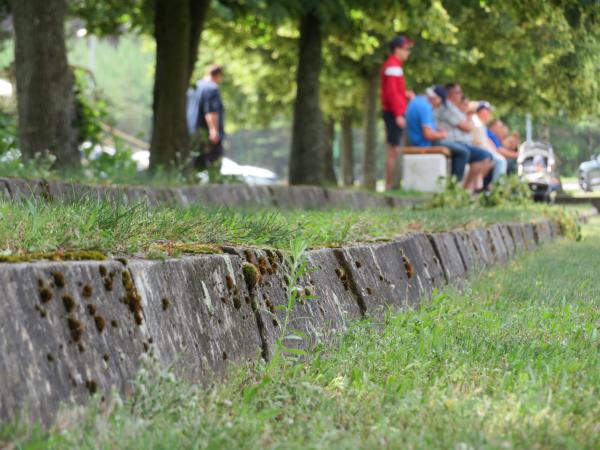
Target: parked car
589,174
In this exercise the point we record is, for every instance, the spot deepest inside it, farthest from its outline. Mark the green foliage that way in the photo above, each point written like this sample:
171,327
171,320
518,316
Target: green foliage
110,17
122,79
453,195
112,168
527,57
91,108
507,190
40,166
8,133
569,223
504,192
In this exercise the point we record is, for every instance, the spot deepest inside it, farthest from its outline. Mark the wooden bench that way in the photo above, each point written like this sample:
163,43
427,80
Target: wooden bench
427,151
423,166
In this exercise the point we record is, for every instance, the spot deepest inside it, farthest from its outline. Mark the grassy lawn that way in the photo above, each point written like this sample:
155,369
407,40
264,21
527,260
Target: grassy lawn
55,229
513,362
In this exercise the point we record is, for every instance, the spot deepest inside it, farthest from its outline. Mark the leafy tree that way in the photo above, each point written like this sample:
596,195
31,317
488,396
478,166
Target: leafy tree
528,56
524,56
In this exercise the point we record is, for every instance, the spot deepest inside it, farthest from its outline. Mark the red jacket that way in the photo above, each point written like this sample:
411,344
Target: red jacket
393,87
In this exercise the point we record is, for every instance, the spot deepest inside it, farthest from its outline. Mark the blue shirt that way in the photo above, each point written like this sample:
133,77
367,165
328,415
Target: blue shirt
419,113
493,138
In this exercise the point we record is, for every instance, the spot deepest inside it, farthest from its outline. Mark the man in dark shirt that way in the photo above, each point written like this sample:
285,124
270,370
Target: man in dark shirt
205,120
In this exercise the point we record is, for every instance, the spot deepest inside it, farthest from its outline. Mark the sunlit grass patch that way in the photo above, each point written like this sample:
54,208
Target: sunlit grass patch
160,231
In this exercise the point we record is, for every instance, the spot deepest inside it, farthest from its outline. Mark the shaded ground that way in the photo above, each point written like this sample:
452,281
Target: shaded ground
513,362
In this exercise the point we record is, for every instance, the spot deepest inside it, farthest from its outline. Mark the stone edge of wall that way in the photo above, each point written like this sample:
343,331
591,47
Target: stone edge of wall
71,329
298,197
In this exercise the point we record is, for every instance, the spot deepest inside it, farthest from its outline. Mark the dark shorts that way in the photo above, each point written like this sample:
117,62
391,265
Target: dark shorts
393,133
478,154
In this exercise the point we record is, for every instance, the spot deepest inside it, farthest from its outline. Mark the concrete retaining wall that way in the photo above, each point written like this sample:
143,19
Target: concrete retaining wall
71,329
293,197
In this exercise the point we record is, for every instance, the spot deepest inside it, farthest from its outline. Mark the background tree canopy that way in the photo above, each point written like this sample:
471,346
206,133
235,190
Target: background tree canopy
307,66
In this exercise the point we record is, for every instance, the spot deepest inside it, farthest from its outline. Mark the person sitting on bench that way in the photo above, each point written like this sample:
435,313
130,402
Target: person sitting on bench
456,123
423,132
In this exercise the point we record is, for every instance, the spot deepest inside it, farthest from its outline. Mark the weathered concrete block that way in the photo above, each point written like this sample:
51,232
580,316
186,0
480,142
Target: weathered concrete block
468,251
428,272
509,243
157,196
95,192
4,192
380,274
555,230
218,195
483,247
260,195
401,202
298,197
338,198
542,232
319,318
360,199
498,246
179,197
198,313
69,192
63,191
449,256
332,288
517,232
67,330
23,189
192,195
378,201
529,235
227,195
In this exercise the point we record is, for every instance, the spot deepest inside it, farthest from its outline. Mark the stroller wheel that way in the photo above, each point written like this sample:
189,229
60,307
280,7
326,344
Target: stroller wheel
583,183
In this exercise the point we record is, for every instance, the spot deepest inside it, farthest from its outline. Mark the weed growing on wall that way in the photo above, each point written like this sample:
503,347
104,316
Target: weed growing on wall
295,268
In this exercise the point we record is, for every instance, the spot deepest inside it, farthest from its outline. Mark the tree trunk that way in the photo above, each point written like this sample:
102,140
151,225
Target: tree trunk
45,94
328,164
370,123
177,28
347,144
306,162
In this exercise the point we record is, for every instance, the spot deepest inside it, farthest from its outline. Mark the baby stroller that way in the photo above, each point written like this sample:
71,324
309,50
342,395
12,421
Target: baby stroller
536,166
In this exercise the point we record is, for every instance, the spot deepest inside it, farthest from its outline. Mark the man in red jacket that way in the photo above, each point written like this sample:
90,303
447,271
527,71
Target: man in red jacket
394,100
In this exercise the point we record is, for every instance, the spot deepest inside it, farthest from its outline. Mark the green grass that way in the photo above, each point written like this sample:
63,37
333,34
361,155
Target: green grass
514,362
31,227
